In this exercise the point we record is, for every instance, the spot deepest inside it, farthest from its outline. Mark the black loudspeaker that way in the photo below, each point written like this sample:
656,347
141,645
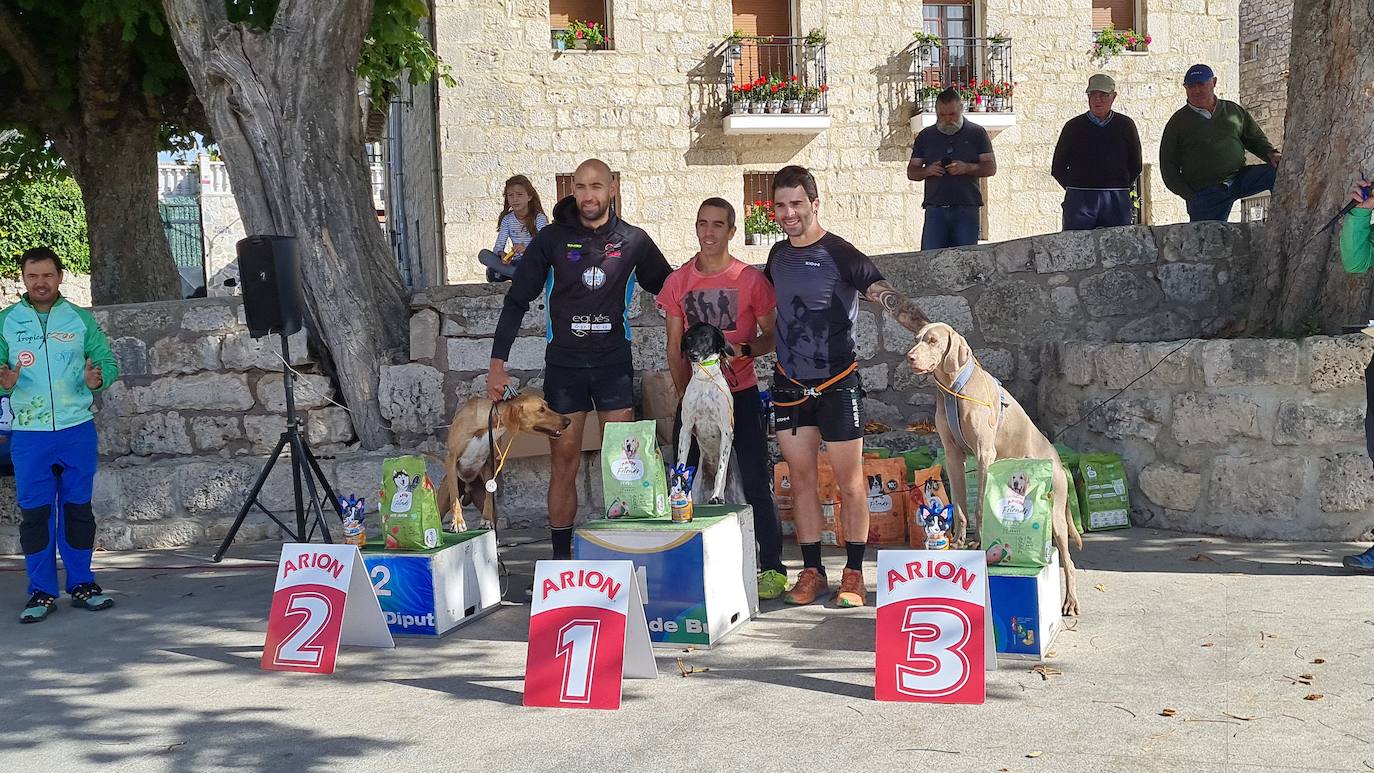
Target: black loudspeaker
270,275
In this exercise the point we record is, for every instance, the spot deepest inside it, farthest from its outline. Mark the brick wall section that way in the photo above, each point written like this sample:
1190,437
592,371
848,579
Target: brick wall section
1248,438
650,109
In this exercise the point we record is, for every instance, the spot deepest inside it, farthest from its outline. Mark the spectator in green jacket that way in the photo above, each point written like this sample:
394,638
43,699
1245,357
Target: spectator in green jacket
1202,152
1357,252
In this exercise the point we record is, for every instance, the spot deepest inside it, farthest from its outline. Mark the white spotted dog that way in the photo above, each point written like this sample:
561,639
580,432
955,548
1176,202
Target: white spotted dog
708,408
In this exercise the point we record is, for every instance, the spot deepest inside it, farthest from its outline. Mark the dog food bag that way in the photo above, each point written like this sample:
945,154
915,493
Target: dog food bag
1017,518
410,512
916,459
782,496
632,471
928,493
1104,493
1069,458
877,453
887,500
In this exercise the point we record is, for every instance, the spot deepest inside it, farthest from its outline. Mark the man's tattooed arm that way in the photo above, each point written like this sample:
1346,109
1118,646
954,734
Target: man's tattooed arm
902,309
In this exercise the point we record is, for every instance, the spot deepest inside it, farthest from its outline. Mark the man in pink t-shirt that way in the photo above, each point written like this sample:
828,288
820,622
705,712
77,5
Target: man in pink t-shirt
716,288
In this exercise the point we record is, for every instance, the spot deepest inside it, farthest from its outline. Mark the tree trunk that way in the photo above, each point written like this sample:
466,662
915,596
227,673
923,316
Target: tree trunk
116,169
1329,137
283,107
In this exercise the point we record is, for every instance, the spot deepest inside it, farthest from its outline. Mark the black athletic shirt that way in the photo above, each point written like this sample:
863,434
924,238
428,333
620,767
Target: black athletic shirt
967,145
588,277
818,289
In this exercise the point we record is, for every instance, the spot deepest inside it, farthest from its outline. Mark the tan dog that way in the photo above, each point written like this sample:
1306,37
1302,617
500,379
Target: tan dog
994,426
469,464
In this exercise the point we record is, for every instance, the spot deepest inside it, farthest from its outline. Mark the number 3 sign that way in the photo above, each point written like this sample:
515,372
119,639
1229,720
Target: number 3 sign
587,632
322,599
934,626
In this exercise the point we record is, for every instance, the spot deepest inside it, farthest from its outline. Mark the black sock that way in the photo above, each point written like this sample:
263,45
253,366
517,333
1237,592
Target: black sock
854,555
562,542
811,556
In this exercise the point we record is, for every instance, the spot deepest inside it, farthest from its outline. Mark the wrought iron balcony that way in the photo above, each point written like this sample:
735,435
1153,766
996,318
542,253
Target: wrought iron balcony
775,85
980,69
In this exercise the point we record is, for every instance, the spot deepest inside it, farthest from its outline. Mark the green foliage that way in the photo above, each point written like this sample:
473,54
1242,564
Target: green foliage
43,213
395,48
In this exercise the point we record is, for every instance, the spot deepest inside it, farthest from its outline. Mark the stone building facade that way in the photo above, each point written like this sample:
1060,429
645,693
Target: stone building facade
1266,28
652,108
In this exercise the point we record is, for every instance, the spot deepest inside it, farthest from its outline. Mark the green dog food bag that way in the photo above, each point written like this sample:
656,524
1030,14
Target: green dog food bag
917,459
1069,458
632,473
1017,516
1104,493
410,512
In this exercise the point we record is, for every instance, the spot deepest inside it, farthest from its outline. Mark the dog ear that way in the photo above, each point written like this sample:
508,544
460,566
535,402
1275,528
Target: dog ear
957,352
722,347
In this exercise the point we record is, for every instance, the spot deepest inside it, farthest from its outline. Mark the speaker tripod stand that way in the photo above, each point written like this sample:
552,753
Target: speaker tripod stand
306,475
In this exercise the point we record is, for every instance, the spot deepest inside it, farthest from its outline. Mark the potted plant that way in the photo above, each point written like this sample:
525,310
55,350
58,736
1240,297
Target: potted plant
811,99
734,45
758,95
584,35
1001,96
792,95
740,98
814,40
1110,42
927,40
928,95
760,224
774,94
998,43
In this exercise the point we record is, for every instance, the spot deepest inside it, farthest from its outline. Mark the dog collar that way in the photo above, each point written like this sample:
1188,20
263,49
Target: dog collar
706,363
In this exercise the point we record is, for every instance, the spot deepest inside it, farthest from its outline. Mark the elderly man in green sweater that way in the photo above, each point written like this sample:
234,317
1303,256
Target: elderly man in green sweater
1202,152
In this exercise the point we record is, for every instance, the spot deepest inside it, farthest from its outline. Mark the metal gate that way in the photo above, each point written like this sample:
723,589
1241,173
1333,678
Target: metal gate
181,221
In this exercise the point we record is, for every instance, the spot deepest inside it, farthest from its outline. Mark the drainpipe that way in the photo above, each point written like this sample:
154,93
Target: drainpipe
441,276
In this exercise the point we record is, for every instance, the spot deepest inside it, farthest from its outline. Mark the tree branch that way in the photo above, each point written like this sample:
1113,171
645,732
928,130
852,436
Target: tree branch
192,24
335,29
15,42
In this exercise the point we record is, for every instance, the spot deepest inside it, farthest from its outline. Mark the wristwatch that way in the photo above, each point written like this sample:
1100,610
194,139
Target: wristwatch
746,350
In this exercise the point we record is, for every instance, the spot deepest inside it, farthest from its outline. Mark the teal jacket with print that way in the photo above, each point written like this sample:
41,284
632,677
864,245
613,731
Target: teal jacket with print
51,393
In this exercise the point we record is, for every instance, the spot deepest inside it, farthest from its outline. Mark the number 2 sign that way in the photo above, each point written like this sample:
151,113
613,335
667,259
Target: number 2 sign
322,599
934,637
587,632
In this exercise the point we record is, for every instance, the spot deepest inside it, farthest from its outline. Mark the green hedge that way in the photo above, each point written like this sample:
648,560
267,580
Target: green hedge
44,213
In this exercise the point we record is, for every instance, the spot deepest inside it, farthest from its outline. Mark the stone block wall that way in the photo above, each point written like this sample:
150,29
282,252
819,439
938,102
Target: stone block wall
187,427
1266,31
1250,438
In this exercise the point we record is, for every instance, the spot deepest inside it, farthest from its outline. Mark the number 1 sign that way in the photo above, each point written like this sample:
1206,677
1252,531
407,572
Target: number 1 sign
587,632
934,626
322,599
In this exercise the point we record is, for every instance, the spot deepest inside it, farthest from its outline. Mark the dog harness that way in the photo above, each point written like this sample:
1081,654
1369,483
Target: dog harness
955,392
809,392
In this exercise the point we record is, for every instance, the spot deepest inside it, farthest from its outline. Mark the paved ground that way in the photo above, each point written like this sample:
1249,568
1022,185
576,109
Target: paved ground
169,682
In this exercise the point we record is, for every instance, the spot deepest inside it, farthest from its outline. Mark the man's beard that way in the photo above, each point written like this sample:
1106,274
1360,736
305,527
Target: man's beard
951,128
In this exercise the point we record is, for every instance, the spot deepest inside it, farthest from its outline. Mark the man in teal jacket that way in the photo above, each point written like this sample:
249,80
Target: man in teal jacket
53,359
1357,253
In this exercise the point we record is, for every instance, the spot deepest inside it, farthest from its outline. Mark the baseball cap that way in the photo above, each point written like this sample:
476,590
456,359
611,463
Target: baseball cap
1101,82
1198,73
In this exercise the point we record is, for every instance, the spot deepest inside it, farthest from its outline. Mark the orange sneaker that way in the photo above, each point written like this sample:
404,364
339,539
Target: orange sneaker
852,593
810,584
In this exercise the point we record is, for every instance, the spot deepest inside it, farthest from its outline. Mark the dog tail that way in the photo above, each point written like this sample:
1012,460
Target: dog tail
1073,532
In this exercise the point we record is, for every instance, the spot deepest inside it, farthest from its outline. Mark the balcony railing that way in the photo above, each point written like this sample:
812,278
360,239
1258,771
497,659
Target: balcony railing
978,67
775,75
1255,209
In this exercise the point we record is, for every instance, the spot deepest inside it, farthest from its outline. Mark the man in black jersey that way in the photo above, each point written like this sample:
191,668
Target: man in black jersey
587,263
817,394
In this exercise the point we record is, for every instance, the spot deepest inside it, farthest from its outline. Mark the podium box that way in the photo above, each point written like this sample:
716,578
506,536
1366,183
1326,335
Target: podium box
699,580
431,592
1026,608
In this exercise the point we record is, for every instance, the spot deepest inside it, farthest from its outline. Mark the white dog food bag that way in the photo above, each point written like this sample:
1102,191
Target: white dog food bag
632,473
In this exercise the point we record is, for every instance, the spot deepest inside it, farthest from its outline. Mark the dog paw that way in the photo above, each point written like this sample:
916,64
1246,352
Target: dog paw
716,501
1070,607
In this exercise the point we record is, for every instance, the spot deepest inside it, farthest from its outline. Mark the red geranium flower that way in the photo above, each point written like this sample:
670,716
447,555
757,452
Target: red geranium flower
769,204
824,88
794,78
758,202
